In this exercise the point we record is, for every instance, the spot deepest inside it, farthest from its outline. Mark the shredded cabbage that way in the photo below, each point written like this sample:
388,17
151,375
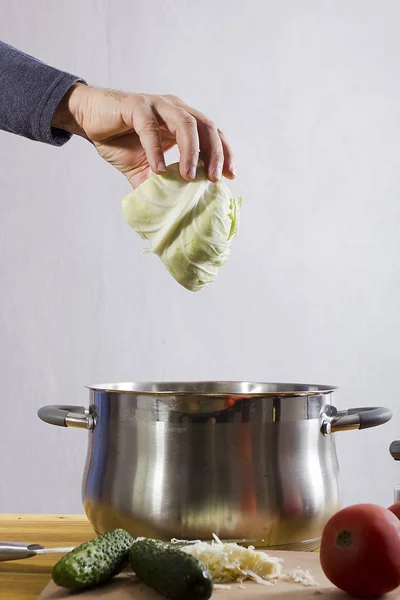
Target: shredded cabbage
298,575
230,562
189,225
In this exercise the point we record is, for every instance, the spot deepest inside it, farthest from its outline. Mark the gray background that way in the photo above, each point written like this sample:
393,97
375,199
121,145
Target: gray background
309,94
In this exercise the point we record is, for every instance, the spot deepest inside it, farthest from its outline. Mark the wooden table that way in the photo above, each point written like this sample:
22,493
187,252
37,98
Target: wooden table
25,579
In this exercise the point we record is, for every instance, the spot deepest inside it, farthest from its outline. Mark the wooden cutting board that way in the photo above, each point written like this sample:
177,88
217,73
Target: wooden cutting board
122,588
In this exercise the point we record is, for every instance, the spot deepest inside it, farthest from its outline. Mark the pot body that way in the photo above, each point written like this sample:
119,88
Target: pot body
249,465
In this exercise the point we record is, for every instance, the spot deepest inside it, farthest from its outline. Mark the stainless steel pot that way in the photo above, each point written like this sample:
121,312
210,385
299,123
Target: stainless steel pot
248,461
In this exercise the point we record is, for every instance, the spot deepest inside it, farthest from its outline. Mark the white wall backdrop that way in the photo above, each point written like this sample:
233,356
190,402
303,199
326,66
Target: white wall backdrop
309,94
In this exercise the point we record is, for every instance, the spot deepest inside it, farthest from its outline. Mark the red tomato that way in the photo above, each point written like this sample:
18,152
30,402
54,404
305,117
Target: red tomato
360,550
395,509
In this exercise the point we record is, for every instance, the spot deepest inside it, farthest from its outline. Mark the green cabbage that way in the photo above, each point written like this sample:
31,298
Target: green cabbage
189,225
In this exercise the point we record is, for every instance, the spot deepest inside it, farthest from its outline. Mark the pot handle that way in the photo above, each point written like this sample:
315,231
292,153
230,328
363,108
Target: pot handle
67,416
363,417
395,450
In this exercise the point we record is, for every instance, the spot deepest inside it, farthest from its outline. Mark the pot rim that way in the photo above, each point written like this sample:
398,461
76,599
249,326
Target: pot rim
238,389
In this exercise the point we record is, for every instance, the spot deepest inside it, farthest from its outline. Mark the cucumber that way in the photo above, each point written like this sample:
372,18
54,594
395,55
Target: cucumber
94,562
170,571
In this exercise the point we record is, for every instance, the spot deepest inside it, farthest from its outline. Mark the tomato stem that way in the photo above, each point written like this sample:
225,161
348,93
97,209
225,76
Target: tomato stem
344,539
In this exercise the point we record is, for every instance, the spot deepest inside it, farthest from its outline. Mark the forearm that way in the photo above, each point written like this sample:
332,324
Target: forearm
30,92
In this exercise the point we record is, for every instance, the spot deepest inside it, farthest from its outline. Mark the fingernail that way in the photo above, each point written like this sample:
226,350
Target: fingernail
217,173
192,172
161,166
232,170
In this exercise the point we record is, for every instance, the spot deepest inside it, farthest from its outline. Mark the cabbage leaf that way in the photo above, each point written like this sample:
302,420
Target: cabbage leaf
189,225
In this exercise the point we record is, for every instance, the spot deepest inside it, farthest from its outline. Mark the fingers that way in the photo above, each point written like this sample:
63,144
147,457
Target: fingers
214,147
217,153
211,149
146,125
228,169
193,132
184,126
218,156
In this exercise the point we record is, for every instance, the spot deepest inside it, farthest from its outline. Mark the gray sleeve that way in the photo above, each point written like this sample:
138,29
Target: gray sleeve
30,92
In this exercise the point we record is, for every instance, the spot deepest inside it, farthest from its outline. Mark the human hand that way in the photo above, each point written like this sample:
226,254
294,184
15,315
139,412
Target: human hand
133,131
